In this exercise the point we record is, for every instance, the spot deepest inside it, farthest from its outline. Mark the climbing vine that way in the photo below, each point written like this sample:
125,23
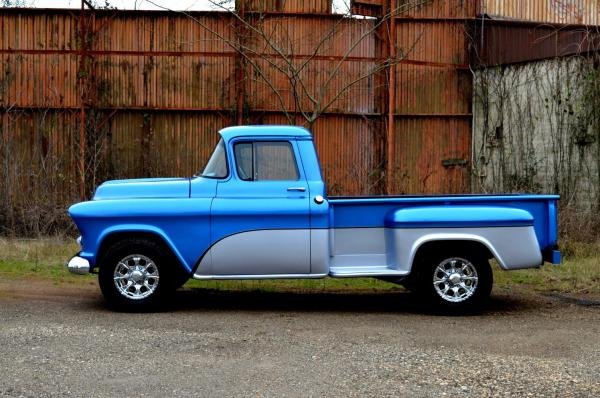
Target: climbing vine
537,129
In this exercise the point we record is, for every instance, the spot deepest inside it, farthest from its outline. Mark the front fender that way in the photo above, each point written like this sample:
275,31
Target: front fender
182,224
133,229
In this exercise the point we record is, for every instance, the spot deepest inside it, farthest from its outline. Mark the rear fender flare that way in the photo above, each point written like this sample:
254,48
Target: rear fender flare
451,236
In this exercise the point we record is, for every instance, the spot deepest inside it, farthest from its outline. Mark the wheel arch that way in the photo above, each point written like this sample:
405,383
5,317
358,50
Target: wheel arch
447,242
114,235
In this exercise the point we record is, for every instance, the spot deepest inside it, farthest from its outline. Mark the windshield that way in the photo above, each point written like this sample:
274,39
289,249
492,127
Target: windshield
217,164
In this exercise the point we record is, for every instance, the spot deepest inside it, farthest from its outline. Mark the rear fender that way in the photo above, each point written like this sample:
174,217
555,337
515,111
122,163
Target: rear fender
507,233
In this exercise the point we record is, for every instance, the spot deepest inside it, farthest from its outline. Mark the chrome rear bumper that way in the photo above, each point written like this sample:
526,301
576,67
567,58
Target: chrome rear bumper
78,265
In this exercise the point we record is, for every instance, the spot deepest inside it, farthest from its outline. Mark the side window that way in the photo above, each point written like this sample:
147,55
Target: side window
243,160
265,161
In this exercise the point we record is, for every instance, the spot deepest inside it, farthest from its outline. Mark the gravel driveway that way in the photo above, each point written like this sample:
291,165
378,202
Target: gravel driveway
61,341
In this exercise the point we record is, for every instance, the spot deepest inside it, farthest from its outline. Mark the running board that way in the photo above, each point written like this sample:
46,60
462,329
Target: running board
375,271
270,276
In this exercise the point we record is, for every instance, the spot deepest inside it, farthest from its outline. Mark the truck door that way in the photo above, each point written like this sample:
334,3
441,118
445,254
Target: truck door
260,217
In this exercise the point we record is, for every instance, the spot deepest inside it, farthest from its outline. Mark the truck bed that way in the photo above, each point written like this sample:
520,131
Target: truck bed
360,238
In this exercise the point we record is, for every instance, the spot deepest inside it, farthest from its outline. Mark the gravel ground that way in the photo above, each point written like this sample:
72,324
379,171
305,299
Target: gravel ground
61,341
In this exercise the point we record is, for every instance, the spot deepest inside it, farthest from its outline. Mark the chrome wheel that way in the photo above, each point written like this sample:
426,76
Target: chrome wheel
136,277
455,279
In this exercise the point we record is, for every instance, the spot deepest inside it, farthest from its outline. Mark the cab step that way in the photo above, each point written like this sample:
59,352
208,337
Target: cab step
370,271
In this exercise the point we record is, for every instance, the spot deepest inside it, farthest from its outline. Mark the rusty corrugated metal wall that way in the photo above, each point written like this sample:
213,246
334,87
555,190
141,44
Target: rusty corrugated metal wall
137,94
433,98
289,6
536,42
579,12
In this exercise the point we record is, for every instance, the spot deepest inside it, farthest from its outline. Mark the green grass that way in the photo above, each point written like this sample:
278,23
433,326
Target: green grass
44,259
363,285
576,276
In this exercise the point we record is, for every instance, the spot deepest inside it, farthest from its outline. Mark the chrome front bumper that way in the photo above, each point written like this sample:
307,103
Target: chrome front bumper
79,265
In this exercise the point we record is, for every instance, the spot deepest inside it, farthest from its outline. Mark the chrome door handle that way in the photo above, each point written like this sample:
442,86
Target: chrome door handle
296,189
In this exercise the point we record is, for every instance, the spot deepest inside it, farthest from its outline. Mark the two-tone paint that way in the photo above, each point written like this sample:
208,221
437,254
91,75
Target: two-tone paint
228,228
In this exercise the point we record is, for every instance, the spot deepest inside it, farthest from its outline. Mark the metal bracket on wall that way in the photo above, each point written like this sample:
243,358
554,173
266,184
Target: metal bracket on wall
454,162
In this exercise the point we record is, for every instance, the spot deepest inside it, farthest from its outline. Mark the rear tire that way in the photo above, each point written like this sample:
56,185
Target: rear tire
134,276
457,282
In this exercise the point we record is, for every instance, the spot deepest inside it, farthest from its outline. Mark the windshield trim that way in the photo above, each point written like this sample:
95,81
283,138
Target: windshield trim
221,141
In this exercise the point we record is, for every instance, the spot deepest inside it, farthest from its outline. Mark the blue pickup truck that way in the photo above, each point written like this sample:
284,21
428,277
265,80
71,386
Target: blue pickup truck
259,210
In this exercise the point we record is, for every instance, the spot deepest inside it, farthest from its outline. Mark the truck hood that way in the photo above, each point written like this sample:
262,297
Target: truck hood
144,188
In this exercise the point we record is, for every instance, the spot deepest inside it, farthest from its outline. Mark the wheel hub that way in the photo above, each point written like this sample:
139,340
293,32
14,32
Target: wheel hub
136,277
455,279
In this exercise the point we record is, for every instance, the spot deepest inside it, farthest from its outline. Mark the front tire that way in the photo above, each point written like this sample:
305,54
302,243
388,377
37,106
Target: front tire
457,282
133,276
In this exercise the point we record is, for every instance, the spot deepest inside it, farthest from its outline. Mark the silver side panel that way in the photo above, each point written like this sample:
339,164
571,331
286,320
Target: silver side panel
319,251
265,252
359,260
513,247
358,241
358,247
353,252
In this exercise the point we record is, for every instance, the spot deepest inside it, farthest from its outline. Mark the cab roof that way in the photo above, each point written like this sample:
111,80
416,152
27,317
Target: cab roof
264,131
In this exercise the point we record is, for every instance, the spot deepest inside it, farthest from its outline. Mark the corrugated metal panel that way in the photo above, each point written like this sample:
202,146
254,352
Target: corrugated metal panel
432,101
292,6
437,9
426,90
505,42
183,143
309,36
437,42
332,56
348,149
43,79
423,146
127,145
165,33
165,82
40,169
141,144
371,8
348,87
554,11
430,9
48,31
32,80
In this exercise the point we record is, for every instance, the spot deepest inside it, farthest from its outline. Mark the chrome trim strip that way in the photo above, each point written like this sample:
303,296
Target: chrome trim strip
270,276
375,271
